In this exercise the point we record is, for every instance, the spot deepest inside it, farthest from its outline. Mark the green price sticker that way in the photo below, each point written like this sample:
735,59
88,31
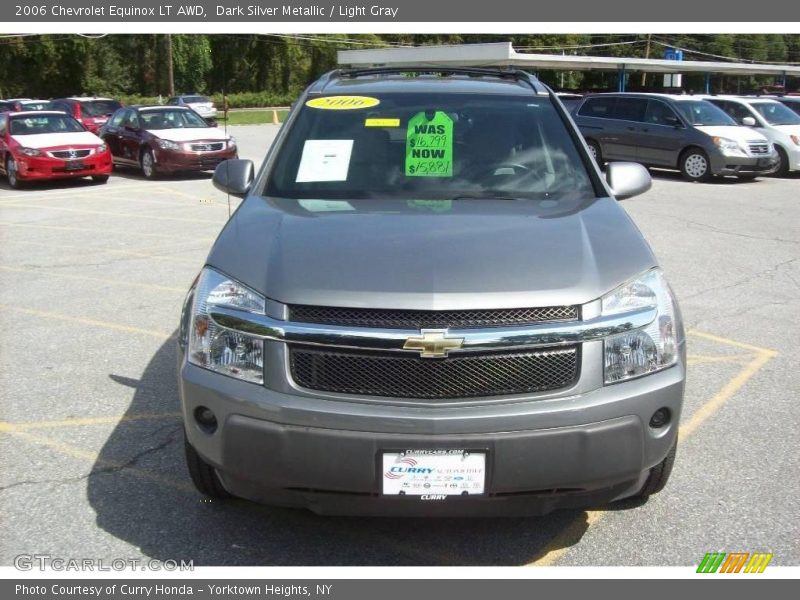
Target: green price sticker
429,146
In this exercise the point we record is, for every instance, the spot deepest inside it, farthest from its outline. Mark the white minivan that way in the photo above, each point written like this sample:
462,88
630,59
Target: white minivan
779,123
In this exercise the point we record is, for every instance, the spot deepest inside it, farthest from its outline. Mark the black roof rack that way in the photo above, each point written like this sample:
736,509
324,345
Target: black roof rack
500,72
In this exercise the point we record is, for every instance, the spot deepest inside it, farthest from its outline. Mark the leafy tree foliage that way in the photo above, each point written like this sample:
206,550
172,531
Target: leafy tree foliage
281,65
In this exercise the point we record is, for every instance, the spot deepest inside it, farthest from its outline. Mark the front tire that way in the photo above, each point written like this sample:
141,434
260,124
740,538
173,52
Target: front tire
100,178
204,476
694,165
783,163
148,164
11,174
659,475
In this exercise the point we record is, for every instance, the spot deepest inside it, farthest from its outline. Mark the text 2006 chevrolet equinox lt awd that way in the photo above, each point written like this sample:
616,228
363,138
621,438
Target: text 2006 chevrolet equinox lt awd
430,303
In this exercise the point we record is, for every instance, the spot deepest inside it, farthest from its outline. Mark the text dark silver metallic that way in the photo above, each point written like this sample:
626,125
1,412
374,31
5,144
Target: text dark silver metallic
365,338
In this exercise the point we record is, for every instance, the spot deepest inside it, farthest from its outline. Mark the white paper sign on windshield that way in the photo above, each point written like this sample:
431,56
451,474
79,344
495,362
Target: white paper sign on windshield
325,160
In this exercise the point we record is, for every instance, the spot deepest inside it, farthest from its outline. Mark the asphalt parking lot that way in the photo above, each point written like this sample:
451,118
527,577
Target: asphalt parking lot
91,461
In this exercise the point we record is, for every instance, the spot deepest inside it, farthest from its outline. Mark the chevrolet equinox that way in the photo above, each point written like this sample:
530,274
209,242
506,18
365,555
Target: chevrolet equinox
430,302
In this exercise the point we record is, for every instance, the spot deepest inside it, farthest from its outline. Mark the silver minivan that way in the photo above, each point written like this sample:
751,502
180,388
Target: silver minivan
673,132
430,302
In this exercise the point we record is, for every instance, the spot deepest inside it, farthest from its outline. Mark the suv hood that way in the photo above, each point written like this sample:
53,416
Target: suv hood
391,254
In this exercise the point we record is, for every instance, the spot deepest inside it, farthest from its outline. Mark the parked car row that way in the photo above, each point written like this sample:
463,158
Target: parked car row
702,136
87,137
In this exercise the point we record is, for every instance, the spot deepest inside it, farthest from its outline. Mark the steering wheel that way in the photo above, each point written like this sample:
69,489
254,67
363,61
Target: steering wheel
517,168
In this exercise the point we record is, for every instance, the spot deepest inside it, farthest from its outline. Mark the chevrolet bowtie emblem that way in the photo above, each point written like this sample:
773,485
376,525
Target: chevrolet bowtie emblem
433,343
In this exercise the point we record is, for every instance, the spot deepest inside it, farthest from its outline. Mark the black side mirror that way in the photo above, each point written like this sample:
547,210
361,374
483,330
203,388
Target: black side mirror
234,176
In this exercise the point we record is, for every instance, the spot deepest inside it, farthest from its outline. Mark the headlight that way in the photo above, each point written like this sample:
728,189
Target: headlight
231,142
650,348
31,151
100,149
168,145
728,147
219,349
795,139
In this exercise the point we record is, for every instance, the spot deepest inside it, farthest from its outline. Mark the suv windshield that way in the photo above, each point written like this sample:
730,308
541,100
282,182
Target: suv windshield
34,125
99,108
776,113
170,119
429,146
700,112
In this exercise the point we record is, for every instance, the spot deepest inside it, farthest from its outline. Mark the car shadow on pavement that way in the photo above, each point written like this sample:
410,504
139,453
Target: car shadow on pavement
141,493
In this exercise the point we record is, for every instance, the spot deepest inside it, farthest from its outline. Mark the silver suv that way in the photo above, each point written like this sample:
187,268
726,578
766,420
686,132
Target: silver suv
430,303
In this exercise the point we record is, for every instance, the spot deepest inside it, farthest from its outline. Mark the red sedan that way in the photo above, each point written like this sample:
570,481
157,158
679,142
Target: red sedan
49,145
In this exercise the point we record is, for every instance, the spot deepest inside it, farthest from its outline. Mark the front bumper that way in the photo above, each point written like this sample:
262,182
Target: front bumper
322,453
171,160
743,165
31,168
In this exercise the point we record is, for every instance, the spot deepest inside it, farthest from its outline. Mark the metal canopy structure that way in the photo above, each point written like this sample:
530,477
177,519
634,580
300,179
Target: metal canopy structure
503,55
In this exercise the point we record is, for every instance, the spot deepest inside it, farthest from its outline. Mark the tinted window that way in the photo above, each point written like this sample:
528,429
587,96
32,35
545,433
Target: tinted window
37,124
776,113
792,104
99,108
658,113
131,119
733,110
630,109
62,106
170,119
597,107
431,146
195,99
702,112
116,120
37,105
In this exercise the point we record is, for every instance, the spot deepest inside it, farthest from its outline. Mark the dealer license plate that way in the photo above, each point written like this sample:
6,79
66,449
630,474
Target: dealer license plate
433,473
75,165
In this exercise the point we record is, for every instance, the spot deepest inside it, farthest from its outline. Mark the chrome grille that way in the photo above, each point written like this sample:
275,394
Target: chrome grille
396,375
71,154
209,147
430,319
758,148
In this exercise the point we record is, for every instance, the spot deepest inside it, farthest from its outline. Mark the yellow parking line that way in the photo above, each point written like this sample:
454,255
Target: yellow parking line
730,342
696,359
729,389
87,250
570,535
150,286
82,321
94,457
106,213
100,191
166,236
205,199
9,427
